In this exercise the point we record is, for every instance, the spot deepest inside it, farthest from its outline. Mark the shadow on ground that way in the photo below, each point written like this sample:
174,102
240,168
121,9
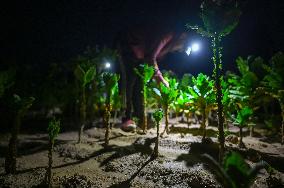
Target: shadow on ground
127,183
196,150
30,146
139,146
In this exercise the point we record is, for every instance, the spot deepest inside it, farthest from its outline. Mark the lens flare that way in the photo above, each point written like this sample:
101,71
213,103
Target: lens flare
195,47
107,65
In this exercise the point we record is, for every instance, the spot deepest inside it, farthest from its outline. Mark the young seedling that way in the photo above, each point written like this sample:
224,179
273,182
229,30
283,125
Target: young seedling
166,96
21,106
145,72
110,88
183,104
85,74
242,120
234,171
53,130
177,106
158,116
203,98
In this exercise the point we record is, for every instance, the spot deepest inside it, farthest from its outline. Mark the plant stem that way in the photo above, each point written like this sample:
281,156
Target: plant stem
166,111
282,126
176,118
217,59
156,149
144,104
187,120
107,115
82,114
203,125
50,161
251,130
241,144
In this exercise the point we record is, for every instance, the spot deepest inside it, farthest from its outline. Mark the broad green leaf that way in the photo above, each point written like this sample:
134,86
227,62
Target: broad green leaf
243,116
145,72
90,75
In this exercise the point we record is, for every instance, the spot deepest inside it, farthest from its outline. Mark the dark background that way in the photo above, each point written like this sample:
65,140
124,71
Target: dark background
42,32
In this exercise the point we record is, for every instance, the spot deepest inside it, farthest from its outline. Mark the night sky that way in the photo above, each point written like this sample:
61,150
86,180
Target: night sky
43,32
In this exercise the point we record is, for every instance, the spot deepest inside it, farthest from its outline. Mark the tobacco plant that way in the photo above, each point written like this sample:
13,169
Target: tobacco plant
85,74
110,89
158,116
243,119
183,104
241,90
203,98
219,19
145,72
53,130
166,96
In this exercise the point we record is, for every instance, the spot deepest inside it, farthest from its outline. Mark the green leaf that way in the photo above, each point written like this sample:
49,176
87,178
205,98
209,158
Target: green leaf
242,65
243,116
145,72
110,86
220,16
236,167
90,75
53,129
167,95
158,115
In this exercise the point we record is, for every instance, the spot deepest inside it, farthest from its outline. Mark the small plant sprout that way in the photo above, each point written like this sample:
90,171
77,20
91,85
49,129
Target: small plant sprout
85,74
110,88
166,96
158,116
243,118
53,130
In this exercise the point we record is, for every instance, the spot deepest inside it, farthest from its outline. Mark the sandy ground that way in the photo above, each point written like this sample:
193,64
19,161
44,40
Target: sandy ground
127,162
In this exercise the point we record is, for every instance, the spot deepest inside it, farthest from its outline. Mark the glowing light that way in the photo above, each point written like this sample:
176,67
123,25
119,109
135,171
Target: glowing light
107,65
188,51
195,47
